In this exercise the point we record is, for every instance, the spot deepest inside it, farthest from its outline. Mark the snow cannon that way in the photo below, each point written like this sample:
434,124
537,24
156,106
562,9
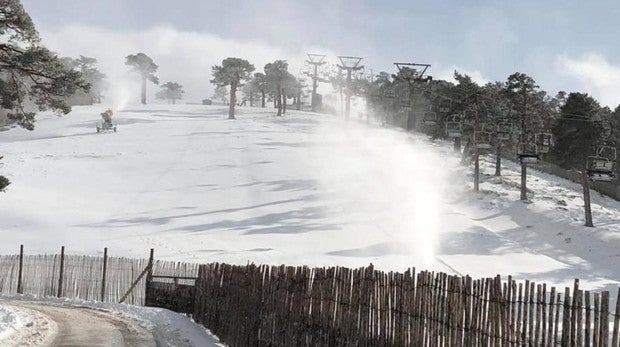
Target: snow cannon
107,124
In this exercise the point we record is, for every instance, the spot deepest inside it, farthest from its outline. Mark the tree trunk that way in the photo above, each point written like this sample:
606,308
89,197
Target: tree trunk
173,101
411,120
465,158
341,102
278,101
143,91
233,101
523,182
457,144
477,172
348,95
252,100
586,198
298,108
262,93
498,161
283,101
276,97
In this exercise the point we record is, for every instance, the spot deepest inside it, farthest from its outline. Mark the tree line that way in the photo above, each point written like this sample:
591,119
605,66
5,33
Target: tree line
36,79
275,82
577,123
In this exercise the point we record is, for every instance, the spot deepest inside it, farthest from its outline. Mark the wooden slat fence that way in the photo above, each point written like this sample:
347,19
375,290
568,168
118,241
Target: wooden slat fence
83,276
302,306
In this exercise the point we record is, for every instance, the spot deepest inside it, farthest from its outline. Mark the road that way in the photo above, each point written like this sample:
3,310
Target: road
78,326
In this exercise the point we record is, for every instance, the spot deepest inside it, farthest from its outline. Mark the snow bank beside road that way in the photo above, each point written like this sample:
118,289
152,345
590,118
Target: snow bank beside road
24,327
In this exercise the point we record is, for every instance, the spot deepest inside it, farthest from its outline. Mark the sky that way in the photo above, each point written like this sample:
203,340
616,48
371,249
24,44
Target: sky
568,45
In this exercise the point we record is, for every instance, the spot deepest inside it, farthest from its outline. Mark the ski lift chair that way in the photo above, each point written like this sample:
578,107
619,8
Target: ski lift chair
389,94
454,128
504,131
405,104
544,142
430,118
483,139
444,106
601,167
528,153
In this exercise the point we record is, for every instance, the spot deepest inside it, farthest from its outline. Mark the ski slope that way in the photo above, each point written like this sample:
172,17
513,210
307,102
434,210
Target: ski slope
300,189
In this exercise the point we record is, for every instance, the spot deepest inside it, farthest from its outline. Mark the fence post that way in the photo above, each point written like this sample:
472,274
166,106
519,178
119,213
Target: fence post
20,288
150,273
604,323
62,268
105,268
616,322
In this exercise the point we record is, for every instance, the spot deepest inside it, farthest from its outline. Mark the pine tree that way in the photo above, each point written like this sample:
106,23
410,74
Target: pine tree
171,91
144,66
95,78
259,84
275,74
577,132
30,72
232,72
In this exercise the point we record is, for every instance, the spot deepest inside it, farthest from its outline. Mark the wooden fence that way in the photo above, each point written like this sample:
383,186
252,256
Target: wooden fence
301,306
83,277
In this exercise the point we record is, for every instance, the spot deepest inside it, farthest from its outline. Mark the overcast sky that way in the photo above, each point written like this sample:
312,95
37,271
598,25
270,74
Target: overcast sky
568,45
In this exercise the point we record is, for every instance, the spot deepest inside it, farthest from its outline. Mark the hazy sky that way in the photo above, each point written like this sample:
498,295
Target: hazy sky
568,45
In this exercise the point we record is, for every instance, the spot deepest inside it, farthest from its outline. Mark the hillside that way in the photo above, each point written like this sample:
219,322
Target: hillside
301,189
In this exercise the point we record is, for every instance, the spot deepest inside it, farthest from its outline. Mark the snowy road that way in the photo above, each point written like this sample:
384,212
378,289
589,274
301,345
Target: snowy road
31,321
74,326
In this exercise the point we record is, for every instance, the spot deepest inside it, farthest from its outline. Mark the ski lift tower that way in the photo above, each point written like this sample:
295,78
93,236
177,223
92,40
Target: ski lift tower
349,64
315,60
413,73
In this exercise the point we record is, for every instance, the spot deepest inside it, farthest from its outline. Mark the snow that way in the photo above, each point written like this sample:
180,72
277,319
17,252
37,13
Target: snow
301,189
169,328
8,321
24,327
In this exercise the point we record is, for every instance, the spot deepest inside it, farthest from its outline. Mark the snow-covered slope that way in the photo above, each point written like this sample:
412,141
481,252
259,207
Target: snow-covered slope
301,189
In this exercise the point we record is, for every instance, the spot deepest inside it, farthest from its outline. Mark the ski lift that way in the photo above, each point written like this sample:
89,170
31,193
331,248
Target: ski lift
454,128
404,104
527,149
445,106
375,96
528,153
430,118
544,142
389,94
600,167
504,131
483,138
